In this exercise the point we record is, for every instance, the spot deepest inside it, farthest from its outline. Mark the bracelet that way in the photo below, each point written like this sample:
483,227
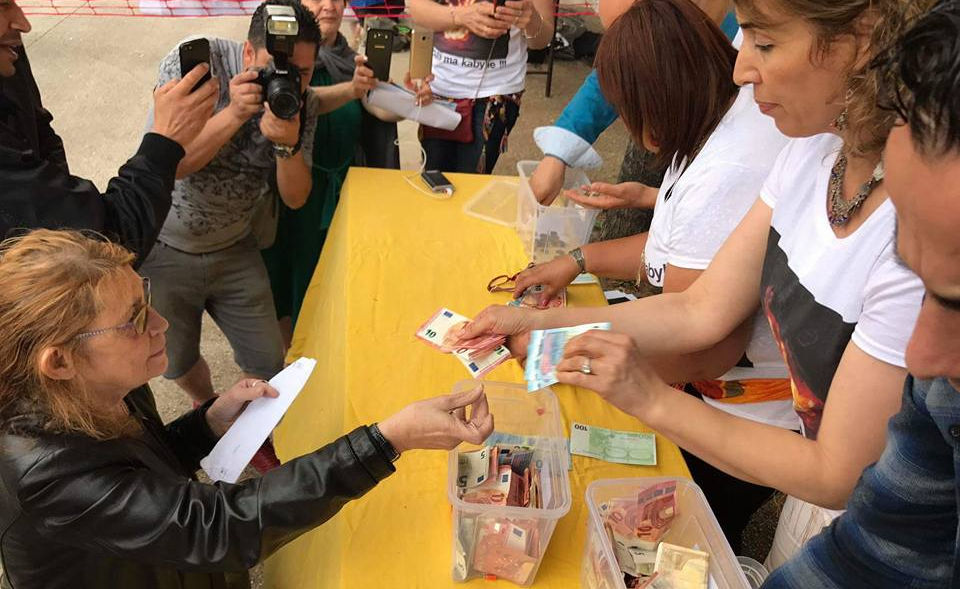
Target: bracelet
284,151
539,28
577,255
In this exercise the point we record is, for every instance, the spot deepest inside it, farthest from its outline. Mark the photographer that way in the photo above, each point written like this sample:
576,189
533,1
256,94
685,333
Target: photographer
256,148
36,187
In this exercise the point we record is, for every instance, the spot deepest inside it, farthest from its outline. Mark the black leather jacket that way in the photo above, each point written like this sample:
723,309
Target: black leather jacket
38,191
127,513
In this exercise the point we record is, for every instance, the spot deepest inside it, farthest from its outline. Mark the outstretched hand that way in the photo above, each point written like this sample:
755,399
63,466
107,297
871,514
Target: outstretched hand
440,423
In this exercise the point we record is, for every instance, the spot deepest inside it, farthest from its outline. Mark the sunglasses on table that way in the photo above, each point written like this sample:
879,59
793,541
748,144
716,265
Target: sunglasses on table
505,282
137,324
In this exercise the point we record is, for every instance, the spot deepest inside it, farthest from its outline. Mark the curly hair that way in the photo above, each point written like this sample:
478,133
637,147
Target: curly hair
51,292
867,125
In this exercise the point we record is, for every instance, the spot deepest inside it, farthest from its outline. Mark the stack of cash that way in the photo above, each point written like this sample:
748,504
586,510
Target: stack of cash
499,475
505,547
545,351
479,355
636,525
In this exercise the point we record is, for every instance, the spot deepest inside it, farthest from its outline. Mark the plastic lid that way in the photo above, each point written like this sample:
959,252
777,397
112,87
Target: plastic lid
496,203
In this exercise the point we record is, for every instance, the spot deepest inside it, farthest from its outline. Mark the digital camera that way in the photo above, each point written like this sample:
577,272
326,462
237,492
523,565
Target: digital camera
280,80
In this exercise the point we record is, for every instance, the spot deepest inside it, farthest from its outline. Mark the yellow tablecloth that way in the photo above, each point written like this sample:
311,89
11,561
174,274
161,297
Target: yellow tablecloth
392,258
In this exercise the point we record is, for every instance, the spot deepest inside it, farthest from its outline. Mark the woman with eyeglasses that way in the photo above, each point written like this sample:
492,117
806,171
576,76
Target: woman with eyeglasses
97,491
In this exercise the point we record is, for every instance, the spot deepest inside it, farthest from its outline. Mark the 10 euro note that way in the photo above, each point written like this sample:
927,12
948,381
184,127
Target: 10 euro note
443,330
635,448
545,351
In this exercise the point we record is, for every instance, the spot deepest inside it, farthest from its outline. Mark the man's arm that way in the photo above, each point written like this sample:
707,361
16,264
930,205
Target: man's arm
40,194
245,99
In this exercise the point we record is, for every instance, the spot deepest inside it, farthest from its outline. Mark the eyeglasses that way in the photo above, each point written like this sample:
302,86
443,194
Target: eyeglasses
138,324
505,283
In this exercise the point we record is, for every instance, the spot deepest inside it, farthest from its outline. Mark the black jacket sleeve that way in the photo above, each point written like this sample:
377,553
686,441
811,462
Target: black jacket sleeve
39,193
132,512
190,437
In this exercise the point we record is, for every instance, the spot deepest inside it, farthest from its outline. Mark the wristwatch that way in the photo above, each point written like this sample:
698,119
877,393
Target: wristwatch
383,443
284,151
577,255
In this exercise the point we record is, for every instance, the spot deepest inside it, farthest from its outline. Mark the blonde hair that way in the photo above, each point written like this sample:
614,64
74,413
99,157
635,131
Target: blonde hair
50,293
867,125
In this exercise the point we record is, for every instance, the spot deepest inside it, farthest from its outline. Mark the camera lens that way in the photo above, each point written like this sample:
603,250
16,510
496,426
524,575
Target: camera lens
284,97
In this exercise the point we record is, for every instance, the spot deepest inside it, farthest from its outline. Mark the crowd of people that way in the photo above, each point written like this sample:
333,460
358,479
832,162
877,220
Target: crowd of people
802,162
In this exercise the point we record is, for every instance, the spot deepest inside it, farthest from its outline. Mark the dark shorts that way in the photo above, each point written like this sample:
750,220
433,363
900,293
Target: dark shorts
232,286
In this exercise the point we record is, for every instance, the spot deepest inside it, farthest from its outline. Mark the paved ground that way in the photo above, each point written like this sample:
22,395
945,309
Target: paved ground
96,75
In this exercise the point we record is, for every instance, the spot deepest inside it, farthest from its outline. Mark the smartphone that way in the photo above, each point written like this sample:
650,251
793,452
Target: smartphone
379,51
437,181
193,53
421,53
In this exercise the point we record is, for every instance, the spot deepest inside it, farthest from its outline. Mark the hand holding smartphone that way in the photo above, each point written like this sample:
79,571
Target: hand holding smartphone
379,52
421,53
193,53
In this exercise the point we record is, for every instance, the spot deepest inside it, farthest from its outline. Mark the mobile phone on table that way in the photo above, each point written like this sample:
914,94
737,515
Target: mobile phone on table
379,51
421,53
193,53
437,181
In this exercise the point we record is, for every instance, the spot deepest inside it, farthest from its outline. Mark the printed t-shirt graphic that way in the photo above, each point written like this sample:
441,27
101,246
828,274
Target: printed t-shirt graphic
821,292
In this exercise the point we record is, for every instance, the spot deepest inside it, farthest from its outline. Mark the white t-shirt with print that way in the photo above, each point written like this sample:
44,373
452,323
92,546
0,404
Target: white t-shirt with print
697,210
821,291
459,58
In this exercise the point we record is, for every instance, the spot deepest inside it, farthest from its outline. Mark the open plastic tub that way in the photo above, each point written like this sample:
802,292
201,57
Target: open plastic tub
522,418
548,232
694,526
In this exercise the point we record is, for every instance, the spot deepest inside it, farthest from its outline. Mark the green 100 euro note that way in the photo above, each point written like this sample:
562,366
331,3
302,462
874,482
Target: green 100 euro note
545,351
635,448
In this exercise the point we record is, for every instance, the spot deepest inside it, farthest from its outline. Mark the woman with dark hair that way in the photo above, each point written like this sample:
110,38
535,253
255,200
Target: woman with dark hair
97,492
816,252
668,69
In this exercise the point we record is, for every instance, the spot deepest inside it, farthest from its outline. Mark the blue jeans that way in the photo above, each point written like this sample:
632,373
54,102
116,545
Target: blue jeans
479,156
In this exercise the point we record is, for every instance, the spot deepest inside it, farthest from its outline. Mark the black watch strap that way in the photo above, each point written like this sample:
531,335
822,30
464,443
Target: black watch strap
383,443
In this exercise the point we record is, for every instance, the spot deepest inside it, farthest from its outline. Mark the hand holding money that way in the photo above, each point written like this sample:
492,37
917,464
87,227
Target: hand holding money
546,351
553,276
625,195
610,364
500,320
440,423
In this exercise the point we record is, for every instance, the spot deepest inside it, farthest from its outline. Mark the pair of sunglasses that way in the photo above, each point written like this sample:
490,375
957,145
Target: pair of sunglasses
505,282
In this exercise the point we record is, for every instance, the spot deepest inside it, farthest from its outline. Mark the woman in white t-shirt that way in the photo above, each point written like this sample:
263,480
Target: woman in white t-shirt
479,61
719,148
816,251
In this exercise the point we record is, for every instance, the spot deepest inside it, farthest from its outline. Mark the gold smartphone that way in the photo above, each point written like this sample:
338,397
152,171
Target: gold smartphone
421,53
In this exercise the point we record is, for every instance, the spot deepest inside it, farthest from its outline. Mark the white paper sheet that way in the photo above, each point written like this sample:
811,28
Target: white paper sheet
235,449
400,101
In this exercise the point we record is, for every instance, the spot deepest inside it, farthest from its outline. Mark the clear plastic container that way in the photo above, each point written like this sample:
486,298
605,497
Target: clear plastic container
548,232
755,572
694,526
522,418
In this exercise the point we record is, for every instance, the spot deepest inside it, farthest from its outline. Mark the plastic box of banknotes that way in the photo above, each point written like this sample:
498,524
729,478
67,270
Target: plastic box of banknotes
611,561
551,231
518,487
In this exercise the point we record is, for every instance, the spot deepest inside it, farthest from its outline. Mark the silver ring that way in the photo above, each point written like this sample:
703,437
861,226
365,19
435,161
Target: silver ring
585,367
